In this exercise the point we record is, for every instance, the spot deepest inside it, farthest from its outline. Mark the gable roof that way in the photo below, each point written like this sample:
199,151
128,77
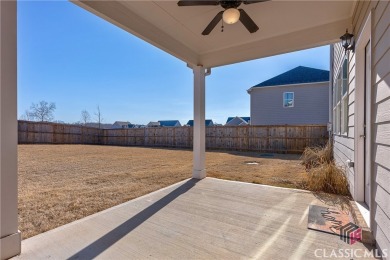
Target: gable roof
169,122
208,122
121,123
245,118
151,123
297,75
236,121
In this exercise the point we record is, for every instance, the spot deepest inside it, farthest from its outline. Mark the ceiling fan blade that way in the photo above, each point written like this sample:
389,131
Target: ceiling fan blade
248,2
248,22
213,23
196,3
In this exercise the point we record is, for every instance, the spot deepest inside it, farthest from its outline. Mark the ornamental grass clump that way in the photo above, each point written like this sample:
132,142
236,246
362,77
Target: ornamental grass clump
315,156
324,174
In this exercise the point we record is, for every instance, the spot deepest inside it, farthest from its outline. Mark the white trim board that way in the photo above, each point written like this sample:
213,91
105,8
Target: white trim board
360,97
314,84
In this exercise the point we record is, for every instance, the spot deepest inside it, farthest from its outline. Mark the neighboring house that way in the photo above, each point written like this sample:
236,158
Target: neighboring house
153,124
238,121
169,123
296,97
245,118
164,123
208,122
121,124
136,126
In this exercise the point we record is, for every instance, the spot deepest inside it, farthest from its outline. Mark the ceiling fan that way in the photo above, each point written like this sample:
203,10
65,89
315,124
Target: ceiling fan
230,15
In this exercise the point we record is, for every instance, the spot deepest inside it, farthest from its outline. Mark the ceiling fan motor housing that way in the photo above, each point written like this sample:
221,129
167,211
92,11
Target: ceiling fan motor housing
230,4
230,15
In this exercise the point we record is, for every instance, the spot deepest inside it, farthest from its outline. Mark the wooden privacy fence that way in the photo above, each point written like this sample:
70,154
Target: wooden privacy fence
50,133
280,139
180,137
290,139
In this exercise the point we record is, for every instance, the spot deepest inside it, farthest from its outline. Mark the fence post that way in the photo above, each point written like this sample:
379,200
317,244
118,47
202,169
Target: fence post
247,137
145,142
285,137
189,136
268,140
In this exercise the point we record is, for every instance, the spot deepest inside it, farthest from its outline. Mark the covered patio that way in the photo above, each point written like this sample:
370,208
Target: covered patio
195,219
198,218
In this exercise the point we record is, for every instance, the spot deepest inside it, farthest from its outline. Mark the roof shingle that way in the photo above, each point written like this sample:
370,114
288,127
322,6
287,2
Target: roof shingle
208,122
297,75
245,118
169,122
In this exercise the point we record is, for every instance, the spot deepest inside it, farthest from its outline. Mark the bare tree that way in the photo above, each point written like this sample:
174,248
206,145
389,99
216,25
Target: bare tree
85,117
43,111
26,116
99,117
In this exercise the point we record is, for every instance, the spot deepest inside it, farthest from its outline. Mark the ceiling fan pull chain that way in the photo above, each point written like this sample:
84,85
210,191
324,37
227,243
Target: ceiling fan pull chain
222,26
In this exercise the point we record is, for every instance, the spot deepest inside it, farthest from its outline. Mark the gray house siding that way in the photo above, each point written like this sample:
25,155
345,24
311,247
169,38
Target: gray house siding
311,105
344,145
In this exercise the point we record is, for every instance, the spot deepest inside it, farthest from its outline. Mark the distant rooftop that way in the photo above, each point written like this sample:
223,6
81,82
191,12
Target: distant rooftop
245,118
121,123
208,122
297,75
169,122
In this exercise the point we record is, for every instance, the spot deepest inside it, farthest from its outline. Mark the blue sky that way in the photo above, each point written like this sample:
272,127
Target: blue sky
71,57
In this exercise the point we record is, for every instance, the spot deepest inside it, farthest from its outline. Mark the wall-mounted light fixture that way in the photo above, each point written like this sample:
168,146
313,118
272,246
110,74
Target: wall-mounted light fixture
348,41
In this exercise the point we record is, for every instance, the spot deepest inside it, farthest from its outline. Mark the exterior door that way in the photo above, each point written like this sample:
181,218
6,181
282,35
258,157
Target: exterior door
367,121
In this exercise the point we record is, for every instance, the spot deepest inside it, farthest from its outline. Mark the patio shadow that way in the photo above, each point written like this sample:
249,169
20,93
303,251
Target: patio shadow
97,247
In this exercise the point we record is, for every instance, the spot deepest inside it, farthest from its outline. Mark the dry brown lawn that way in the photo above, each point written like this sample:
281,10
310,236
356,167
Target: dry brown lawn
61,183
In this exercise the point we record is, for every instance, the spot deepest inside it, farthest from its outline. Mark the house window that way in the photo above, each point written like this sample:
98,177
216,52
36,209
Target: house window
288,99
340,100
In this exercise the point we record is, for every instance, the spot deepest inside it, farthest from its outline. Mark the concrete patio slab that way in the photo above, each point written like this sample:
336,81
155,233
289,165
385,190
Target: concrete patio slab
193,219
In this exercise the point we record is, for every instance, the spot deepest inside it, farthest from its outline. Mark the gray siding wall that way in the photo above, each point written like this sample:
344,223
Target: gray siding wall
344,145
311,105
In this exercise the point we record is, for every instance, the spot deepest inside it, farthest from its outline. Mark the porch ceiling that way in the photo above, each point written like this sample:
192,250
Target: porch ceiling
285,26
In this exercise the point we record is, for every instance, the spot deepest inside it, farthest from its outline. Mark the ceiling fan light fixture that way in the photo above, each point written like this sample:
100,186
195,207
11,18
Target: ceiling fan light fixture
231,16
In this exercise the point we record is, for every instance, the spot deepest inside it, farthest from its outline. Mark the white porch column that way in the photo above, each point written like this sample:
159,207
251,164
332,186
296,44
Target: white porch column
9,235
199,137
